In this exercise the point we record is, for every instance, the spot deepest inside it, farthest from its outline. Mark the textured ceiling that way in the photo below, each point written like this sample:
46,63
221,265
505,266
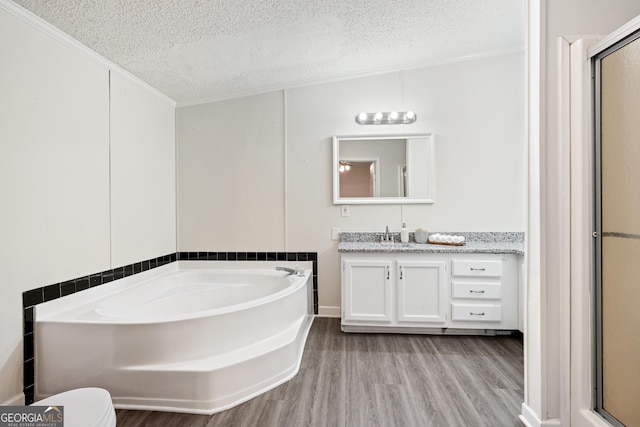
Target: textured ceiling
199,49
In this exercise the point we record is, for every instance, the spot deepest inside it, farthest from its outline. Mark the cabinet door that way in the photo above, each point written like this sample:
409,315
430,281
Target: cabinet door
366,290
422,291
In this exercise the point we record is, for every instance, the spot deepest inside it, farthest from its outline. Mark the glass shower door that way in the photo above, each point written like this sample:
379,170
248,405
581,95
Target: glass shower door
617,94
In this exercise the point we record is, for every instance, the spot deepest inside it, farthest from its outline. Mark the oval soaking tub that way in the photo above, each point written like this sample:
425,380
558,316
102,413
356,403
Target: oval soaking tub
191,336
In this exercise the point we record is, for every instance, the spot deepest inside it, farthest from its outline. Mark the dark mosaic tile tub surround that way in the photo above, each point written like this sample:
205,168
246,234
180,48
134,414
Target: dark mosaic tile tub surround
33,297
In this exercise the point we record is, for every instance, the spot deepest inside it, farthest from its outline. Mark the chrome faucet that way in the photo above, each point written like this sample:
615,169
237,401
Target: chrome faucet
288,270
298,271
386,237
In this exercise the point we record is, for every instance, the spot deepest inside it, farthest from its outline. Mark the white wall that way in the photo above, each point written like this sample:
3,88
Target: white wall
230,175
55,173
475,109
143,190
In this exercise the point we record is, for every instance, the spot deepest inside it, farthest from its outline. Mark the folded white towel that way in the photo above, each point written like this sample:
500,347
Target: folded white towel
445,238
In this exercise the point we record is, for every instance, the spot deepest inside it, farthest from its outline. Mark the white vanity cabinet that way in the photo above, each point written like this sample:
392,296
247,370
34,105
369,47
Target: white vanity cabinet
425,292
421,291
366,290
380,291
484,291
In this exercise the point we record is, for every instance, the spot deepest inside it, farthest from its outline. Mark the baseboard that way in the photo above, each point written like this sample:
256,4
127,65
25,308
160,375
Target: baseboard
17,400
328,311
588,417
529,418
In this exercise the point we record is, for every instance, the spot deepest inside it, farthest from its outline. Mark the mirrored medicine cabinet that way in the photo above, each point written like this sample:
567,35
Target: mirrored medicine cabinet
383,169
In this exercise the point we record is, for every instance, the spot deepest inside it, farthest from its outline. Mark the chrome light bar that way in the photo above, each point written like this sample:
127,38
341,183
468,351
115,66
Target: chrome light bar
392,118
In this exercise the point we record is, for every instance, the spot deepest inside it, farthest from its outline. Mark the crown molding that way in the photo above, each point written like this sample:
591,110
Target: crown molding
68,41
349,76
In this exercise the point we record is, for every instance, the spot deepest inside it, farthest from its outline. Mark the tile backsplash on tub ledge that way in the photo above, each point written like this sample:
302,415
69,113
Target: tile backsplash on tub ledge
33,297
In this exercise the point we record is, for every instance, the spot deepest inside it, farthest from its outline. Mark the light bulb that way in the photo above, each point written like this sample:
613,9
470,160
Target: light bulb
341,168
362,117
347,167
378,116
410,115
393,115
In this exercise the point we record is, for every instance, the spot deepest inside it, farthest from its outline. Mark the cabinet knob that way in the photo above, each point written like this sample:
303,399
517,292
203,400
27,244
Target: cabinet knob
471,313
476,292
477,269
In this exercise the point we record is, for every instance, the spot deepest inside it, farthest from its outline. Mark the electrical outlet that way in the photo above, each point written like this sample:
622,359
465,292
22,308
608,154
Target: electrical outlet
345,210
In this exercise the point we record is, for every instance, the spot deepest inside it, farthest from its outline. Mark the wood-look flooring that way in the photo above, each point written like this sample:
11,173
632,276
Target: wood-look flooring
367,380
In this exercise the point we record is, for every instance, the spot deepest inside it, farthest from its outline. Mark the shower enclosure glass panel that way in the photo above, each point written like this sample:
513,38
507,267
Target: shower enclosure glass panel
617,95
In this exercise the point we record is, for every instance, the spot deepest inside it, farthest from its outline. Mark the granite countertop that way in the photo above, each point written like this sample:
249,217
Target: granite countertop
476,242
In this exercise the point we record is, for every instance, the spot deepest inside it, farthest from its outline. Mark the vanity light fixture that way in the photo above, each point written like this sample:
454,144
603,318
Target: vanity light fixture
392,118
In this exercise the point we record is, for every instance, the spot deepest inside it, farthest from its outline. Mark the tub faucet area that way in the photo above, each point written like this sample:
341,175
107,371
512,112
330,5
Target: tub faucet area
288,270
298,271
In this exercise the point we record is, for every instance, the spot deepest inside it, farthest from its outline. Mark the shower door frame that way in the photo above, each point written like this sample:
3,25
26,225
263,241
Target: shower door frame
575,55
596,58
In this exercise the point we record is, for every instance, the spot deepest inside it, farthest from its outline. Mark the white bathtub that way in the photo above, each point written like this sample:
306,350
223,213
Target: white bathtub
191,336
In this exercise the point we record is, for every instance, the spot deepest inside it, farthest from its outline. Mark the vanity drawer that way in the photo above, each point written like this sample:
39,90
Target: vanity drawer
476,268
476,312
476,290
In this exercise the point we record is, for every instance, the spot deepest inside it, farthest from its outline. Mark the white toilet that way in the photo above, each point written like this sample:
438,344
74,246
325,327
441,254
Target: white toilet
84,407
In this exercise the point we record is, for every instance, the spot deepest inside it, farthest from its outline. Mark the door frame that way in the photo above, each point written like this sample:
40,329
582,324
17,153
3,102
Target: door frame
576,59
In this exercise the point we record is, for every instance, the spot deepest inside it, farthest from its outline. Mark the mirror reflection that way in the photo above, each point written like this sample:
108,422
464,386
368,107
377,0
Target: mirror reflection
383,169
